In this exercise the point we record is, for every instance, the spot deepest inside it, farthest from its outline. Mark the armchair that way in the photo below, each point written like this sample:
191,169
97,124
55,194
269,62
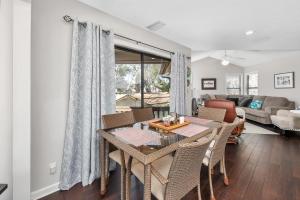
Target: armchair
286,120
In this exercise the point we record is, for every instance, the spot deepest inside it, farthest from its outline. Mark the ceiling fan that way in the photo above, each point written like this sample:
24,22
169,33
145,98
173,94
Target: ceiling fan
225,60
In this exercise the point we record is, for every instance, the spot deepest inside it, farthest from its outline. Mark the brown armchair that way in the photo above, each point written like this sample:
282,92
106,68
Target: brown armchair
224,104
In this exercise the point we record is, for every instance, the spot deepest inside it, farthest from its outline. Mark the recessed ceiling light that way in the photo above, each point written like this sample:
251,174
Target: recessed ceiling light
156,26
249,32
225,62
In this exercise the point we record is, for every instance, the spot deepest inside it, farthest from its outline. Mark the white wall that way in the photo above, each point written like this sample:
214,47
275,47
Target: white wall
266,73
212,68
6,96
51,45
21,99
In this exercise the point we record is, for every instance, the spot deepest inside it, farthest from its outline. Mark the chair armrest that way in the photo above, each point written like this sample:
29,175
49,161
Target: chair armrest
158,175
295,121
273,110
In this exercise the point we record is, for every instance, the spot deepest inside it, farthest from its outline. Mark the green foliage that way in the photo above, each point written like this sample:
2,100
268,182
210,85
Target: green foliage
128,79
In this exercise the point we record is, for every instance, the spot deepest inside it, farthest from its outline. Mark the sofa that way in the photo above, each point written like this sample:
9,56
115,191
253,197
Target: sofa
270,106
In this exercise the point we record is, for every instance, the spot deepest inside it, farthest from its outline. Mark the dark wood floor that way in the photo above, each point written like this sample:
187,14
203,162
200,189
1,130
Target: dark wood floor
260,167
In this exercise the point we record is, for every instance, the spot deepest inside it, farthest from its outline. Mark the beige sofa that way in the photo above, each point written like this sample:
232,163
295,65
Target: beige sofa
270,106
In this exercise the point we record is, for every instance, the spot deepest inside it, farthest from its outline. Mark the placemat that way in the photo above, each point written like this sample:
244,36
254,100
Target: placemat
134,136
190,130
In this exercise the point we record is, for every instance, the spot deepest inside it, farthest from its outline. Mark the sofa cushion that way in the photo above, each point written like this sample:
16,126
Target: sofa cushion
258,113
275,101
221,96
256,104
261,98
245,102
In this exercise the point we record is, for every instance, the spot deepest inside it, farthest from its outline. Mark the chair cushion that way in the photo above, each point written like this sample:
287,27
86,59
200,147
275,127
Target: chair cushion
163,166
115,155
205,161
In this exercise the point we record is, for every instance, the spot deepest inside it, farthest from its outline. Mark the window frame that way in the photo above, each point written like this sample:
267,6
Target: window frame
142,54
232,88
247,83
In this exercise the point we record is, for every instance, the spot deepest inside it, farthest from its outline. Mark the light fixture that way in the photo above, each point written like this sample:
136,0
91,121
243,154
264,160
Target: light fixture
225,62
249,32
156,26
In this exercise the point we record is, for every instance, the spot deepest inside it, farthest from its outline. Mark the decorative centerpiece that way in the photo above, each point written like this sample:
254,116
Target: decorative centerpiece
168,123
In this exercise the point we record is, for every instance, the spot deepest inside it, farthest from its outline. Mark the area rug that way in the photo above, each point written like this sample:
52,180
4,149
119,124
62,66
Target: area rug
253,129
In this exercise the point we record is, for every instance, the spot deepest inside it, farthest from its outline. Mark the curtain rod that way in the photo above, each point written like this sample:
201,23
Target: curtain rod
69,19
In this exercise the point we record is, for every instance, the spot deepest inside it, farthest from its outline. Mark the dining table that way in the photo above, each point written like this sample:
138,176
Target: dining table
145,144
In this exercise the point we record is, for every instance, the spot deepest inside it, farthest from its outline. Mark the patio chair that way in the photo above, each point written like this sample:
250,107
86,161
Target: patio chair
216,153
112,121
142,114
215,114
173,177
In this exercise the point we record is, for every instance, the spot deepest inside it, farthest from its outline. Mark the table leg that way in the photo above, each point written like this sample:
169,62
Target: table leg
106,160
128,178
123,176
147,182
102,165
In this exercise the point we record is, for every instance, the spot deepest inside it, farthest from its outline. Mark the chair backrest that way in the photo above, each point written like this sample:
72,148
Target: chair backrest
215,114
229,106
218,150
184,174
117,120
142,114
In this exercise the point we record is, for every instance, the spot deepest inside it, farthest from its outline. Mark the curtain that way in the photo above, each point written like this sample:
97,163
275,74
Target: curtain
179,64
92,94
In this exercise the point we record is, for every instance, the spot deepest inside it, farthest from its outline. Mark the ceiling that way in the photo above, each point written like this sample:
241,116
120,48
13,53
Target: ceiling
244,58
206,25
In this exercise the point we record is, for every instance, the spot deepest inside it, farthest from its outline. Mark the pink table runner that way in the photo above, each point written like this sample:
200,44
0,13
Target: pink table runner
197,120
135,136
190,130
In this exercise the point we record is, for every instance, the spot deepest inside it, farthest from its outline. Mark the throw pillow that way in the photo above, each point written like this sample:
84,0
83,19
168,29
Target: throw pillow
235,100
256,104
245,102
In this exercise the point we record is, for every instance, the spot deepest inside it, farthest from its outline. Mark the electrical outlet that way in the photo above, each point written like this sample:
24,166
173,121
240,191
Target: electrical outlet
52,168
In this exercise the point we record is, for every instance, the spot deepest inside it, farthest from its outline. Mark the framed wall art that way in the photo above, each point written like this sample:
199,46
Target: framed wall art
209,83
284,80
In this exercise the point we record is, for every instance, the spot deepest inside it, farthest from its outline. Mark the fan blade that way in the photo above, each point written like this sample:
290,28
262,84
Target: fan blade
233,57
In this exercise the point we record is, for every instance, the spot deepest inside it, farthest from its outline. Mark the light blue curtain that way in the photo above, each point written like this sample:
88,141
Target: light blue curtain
92,94
178,92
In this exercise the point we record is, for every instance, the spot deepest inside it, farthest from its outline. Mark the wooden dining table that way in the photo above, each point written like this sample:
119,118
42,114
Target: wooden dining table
146,154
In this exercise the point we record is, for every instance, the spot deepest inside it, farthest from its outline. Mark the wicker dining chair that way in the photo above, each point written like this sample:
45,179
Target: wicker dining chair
172,177
142,114
112,121
117,120
215,114
216,153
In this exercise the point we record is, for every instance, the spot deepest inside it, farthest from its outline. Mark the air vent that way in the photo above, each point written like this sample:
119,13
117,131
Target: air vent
156,26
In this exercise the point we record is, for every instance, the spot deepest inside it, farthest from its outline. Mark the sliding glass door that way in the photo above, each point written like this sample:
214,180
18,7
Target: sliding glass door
143,80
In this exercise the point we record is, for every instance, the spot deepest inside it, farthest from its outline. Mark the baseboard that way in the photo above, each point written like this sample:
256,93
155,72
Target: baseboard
44,191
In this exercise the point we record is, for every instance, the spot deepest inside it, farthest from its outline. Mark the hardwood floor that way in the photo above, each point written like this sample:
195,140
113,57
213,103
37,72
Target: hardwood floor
263,167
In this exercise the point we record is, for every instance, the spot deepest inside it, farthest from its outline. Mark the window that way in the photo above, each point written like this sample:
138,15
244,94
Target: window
142,80
233,84
252,84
